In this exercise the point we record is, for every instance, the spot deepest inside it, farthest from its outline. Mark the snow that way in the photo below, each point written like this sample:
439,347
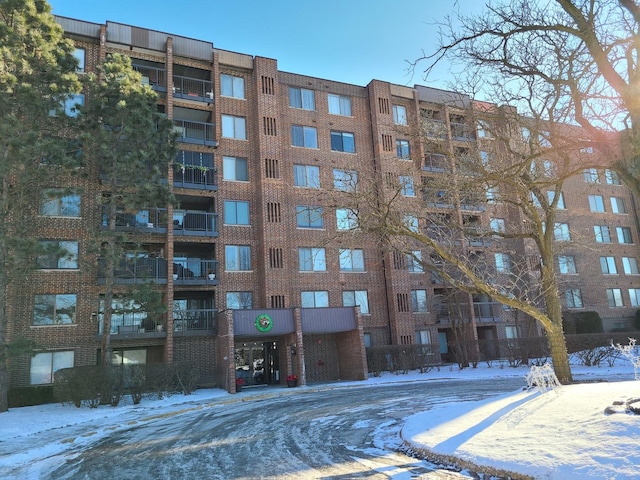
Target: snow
563,433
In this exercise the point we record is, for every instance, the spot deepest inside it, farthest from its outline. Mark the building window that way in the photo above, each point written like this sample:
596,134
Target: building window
403,151
239,300
407,188
503,262
69,105
419,301
237,258
484,129
302,98
339,105
411,222
314,299
573,298
235,169
307,176
624,235
608,265
236,212
309,217
591,175
614,297
491,194
617,205
312,259
414,262
567,264
234,127
58,254
80,55
231,86
596,203
630,265
44,365
60,203
306,137
346,219
54,309
399,115
423,337
602,233
497,225
345,180
634,295
351,260
561,232
343,142
612,177
130,356
357,298
551,194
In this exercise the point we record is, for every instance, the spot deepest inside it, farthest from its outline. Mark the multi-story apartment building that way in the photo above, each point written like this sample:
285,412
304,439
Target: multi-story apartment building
254,285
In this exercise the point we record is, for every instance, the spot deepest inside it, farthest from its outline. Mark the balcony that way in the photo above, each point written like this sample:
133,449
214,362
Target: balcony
195,223
134,270
155,77
154,220
435,162
194,271
194,322
194,89
133,325
195,177
195,133
461,132
434,128
484,311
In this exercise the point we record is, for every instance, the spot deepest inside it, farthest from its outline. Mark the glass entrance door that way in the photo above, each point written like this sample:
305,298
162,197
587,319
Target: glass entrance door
256,363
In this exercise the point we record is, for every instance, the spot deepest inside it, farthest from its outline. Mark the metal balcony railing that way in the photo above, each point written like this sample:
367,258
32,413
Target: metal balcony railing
155,77
195,322
135,324
461,131
196,133
192,89
153,220
135,270
484,311
194,177
435,162
195,223
195,271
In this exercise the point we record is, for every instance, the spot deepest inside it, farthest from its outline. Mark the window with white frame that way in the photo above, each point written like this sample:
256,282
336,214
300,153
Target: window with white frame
80,55
239,300
614,297
551,195
231,86
497,225
351,260
58,309
634,297
567,264
360,298
345,180
339,105
309,216
596,203
630,266
591,175
343,142
617,205
419,301
403,150
237,258
608,265
561,232
423,337
399,114
573,298
303,136
57,202
45,364
312,259
624,235
503,262
346,219
612,177
314,299
307,176
236,212
602,233
414,262
234,127
58,254
302,98
235,169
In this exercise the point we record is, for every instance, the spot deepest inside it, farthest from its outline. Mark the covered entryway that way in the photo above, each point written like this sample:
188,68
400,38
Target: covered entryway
257,363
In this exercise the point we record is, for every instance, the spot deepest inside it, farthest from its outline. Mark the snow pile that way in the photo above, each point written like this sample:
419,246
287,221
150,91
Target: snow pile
542,378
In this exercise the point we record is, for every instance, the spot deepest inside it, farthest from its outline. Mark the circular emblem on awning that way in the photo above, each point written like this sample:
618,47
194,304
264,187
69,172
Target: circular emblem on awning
264,323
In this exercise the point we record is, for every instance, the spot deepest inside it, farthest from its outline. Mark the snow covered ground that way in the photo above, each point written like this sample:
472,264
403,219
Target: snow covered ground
561,434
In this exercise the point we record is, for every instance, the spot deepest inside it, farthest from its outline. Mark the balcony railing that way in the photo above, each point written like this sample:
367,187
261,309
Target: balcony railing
153,220
135,270
484,311
195,322
155,77
435,162
196,133
200,178
435,128
134,324
461,131
195,223
195,271
192,89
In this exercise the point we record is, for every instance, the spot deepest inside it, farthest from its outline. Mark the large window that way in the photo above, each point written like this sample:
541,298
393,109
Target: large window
617,205
237,258
54,309
561,232
239,300
309,217
612,177
339,105
634,296
602,233
231,86
567,264
346,219
596,203
345,180
69,105
306,137
608,265
403,150
343,142
360,298
407,188
414,262
312,259
573,298
411,222
614,297
351,260
624,235
591,175
306,176
80,55
302,98
57,202
630,266
58,254
503,262
236,212
399,115
234,127
134,356
314,299
44,365
419,301
235,169
497,225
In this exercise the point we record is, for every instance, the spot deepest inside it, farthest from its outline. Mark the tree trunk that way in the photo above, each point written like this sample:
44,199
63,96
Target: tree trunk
559,355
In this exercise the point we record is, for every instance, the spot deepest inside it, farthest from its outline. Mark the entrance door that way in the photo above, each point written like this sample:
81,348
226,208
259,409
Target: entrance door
257,363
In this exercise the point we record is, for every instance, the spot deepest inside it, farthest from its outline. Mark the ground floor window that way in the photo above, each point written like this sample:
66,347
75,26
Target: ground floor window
128,357
44,365
423,337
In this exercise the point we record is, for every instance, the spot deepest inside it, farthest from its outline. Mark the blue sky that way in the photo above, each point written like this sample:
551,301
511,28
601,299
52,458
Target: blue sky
352,41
